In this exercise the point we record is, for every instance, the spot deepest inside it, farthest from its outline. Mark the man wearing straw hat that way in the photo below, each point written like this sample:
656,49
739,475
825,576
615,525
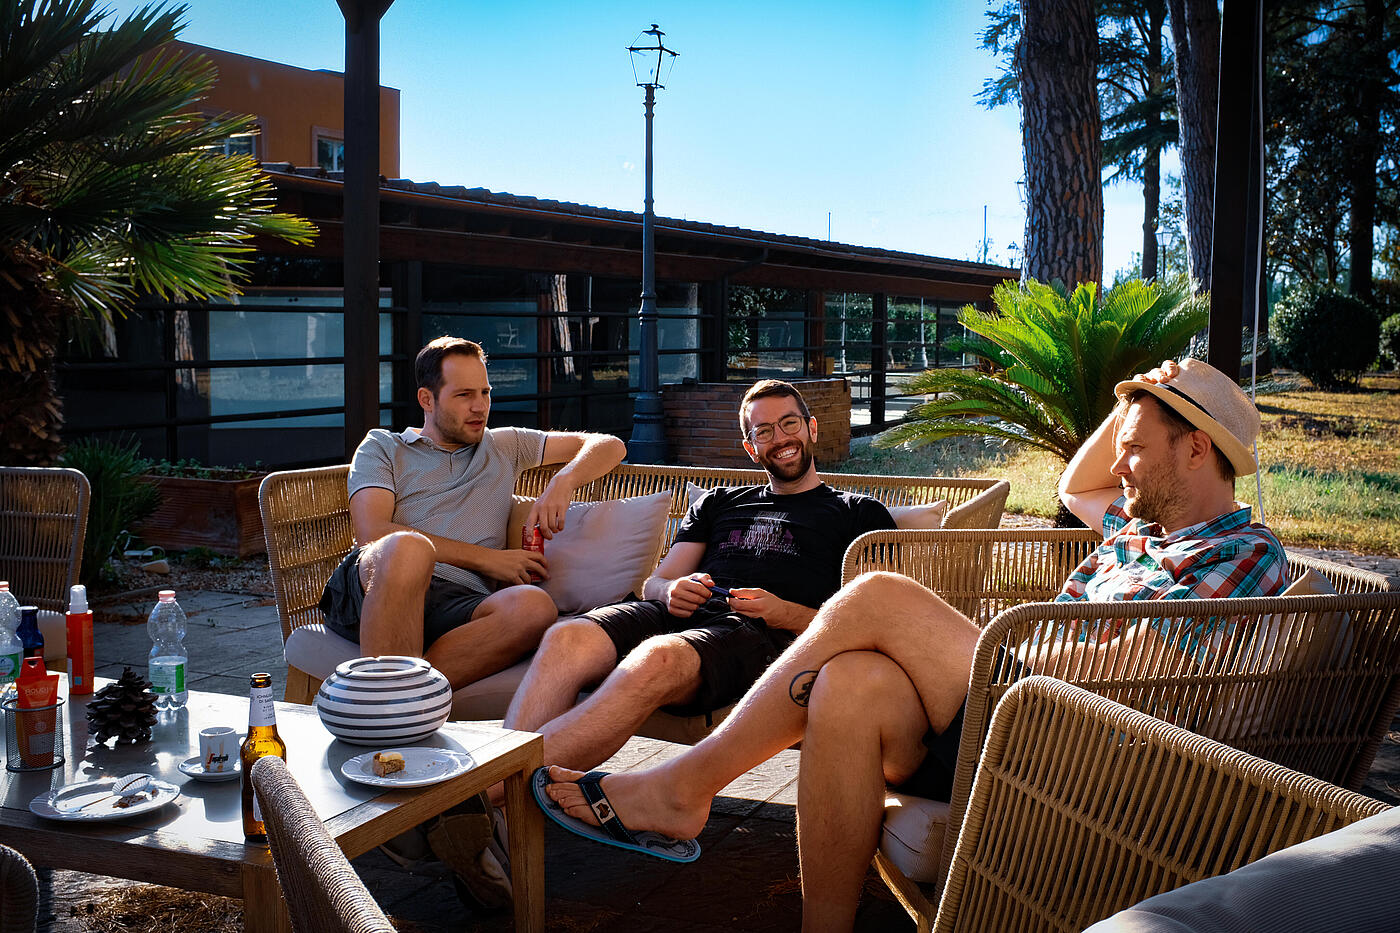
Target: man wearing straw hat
874,688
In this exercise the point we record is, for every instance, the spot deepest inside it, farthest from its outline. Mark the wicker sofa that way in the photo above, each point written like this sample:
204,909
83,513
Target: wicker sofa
306,520
1309,681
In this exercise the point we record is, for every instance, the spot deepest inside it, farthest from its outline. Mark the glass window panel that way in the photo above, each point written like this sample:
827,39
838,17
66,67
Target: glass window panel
507,331
330,154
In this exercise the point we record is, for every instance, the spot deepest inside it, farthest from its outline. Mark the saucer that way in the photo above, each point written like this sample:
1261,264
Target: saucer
194,767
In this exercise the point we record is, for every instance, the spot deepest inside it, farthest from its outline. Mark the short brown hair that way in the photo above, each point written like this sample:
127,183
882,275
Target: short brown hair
768,388
428,366
1178,427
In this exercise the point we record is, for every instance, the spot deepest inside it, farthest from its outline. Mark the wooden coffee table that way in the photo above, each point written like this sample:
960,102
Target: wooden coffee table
197,842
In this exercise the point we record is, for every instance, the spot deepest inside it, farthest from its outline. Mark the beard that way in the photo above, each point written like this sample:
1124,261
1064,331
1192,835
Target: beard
456,432
788,470
1161,497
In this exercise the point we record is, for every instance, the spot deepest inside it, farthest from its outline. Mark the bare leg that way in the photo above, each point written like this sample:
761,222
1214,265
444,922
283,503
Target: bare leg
865,727
660,671
505,627
882,612
395,572
574,654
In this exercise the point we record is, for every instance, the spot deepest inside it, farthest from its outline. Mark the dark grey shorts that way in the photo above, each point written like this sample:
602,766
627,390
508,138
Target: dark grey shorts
934,776
447,605
734,650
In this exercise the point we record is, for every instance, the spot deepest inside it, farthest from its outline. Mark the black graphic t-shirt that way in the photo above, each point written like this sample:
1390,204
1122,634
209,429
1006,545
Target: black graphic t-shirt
790,545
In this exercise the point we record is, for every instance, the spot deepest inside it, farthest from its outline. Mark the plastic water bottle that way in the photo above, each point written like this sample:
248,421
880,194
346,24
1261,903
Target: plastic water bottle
168,658
11,648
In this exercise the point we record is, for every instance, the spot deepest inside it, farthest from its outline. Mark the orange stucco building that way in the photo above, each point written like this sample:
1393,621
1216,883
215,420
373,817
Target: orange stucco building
300,113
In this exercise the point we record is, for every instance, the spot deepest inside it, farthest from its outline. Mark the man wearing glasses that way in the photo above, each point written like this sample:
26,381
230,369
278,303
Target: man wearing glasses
748,570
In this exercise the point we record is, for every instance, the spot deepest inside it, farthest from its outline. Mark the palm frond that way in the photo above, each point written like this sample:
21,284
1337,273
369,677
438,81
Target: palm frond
1056,355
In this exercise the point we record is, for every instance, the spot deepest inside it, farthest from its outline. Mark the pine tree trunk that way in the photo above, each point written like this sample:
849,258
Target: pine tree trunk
1152,159
1196,37
1370,91
1057,59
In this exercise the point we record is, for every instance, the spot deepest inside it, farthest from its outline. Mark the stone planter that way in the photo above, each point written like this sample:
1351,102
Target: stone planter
219,514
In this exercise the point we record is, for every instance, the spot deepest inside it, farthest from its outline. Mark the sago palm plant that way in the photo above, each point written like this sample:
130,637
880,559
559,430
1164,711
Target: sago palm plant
1054,361
112,183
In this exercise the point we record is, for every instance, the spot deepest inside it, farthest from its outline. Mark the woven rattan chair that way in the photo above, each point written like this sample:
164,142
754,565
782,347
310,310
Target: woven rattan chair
43,521
306,521
1083,807
323,893
19,893
1311,682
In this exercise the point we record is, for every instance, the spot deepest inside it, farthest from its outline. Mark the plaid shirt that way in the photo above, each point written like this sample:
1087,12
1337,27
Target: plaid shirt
1224,557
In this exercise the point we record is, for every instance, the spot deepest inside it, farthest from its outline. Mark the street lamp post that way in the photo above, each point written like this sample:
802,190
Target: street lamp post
651,66
1164,242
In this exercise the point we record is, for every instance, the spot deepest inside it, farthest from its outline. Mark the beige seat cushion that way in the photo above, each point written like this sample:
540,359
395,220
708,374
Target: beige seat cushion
912,835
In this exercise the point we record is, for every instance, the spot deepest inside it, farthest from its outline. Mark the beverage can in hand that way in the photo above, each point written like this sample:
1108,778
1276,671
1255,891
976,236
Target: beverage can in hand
532,539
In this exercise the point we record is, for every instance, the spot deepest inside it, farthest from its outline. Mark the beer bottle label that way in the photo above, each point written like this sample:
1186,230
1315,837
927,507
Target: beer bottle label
261,712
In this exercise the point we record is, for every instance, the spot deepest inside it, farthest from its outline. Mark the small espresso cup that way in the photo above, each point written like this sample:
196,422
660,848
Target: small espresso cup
218,749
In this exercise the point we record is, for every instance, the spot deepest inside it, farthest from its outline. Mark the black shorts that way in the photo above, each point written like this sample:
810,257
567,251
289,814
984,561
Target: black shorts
447,606
934,776
734,649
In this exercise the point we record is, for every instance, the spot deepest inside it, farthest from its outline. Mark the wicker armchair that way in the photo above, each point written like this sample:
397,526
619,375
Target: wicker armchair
1083,807
19,893
43,521
322,891
1311,682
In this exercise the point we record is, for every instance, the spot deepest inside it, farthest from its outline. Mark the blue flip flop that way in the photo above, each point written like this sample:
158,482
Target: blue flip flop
611,832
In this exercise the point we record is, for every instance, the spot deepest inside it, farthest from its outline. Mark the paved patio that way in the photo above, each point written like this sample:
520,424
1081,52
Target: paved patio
746,879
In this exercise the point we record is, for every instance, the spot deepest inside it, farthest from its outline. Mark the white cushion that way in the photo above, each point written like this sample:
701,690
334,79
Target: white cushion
317,650
920,516
912,835
606,550
1278,646
489,697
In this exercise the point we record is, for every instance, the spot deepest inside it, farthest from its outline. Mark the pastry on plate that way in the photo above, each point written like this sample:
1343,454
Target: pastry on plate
386,763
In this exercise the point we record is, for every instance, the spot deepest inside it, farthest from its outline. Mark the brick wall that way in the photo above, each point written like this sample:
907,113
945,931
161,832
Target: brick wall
702,421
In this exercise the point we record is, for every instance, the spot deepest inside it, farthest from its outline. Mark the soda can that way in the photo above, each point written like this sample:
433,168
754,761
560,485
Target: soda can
531,539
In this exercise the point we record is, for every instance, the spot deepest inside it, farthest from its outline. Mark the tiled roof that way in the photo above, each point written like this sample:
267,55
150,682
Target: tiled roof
485,196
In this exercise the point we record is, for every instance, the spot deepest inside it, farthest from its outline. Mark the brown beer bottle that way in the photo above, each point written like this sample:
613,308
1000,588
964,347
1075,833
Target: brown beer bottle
262,740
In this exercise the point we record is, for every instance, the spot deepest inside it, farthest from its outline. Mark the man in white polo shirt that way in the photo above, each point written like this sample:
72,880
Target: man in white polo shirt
434,574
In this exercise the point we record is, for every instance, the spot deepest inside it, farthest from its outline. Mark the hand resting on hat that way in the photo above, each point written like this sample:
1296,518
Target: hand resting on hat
1166,372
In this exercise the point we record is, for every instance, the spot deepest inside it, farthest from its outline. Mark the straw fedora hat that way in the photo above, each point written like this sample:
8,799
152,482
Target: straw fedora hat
1211,401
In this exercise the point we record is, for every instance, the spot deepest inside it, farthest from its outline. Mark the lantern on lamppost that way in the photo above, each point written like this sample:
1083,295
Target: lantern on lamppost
1164,242
651,68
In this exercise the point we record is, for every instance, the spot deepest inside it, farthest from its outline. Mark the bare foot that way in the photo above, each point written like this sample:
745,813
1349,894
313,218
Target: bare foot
643,801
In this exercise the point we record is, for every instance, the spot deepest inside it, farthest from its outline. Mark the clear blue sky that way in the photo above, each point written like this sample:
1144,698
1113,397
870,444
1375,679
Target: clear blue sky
776,113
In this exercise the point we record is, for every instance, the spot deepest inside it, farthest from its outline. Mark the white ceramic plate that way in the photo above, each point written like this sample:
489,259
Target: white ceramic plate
63,804
422,766
194,767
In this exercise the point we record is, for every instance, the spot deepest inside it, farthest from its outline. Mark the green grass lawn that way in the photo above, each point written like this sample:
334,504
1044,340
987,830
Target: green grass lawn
1330,467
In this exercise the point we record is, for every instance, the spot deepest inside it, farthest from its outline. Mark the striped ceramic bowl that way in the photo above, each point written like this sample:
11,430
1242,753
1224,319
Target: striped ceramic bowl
384,701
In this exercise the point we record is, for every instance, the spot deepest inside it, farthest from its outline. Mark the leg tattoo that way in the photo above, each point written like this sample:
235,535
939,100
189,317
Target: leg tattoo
800,690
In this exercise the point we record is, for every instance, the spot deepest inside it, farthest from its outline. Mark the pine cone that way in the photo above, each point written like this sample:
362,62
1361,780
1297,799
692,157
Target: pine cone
125,709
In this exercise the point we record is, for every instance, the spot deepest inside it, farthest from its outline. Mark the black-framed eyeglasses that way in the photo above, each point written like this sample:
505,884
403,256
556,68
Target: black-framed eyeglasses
764,433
